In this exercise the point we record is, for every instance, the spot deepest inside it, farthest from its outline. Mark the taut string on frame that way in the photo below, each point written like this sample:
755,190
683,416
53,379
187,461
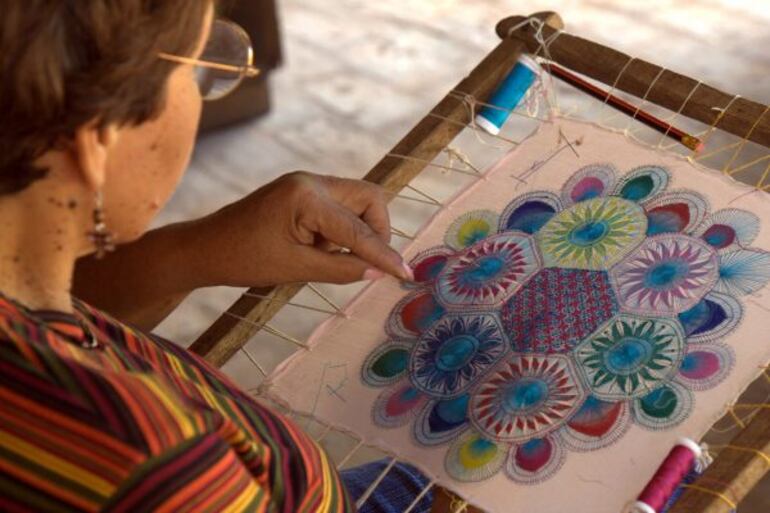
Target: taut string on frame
431,484
271,299
724,498
425,195
641,104
677,114
708,133
745,140
365,496
430,163
324,297
417,200
614,86
455,154
399,233
269,329
254,361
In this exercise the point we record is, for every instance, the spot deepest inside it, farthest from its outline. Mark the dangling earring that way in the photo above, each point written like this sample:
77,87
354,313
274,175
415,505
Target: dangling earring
100,235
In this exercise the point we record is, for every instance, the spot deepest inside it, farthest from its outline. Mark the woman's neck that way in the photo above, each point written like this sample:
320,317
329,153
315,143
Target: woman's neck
39,239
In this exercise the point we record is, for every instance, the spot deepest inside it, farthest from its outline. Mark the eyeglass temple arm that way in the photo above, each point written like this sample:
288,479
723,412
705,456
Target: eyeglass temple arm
248,70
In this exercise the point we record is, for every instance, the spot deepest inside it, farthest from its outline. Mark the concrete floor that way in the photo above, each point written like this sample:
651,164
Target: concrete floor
358,74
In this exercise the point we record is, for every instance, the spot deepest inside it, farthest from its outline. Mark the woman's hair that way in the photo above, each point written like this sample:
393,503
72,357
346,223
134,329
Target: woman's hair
64,64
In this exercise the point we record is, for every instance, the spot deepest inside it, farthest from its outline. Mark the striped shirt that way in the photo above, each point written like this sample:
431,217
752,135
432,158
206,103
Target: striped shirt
96,416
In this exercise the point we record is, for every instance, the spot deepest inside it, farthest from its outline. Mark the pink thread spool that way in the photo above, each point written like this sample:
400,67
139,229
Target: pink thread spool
668,477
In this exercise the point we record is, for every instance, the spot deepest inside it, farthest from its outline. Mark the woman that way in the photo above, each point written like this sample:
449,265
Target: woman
99,103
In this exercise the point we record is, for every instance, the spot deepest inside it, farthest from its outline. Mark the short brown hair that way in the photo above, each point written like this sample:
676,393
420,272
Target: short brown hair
66,63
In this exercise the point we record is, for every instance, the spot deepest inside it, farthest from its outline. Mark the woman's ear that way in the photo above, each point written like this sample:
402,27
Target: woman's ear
92,147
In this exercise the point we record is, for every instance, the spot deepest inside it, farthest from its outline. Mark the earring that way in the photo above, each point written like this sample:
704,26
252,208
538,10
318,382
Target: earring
101,237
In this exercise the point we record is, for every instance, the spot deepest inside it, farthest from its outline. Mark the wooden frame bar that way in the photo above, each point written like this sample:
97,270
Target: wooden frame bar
734,472
744,118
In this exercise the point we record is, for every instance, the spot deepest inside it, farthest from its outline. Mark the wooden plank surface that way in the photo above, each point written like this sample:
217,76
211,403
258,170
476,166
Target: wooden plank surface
670,90
424,142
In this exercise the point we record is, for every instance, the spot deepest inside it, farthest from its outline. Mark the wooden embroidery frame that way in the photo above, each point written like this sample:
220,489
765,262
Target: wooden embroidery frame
745,459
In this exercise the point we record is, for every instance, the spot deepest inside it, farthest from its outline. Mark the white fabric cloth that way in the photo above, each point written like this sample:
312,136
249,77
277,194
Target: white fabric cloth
596,481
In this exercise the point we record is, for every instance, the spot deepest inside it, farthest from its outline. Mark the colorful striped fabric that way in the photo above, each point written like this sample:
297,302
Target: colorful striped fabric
138,424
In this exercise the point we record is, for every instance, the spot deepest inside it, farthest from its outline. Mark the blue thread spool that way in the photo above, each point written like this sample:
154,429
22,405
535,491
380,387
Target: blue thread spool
508,95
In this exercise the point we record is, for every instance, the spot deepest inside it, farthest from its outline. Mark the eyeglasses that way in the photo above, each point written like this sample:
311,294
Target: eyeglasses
226,60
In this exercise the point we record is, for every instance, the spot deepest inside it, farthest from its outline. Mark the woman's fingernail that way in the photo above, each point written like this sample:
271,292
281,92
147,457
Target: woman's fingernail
373,274
408,273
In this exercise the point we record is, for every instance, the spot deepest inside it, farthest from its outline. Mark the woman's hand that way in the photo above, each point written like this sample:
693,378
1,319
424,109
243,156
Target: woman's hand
293,230
290,230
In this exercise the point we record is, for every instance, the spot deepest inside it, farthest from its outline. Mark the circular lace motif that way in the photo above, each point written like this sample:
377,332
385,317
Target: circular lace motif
528,396
488,272
630,356
455,353
594,234
667,274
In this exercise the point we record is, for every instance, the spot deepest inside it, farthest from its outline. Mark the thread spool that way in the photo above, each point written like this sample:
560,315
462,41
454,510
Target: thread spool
508,95
679,462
